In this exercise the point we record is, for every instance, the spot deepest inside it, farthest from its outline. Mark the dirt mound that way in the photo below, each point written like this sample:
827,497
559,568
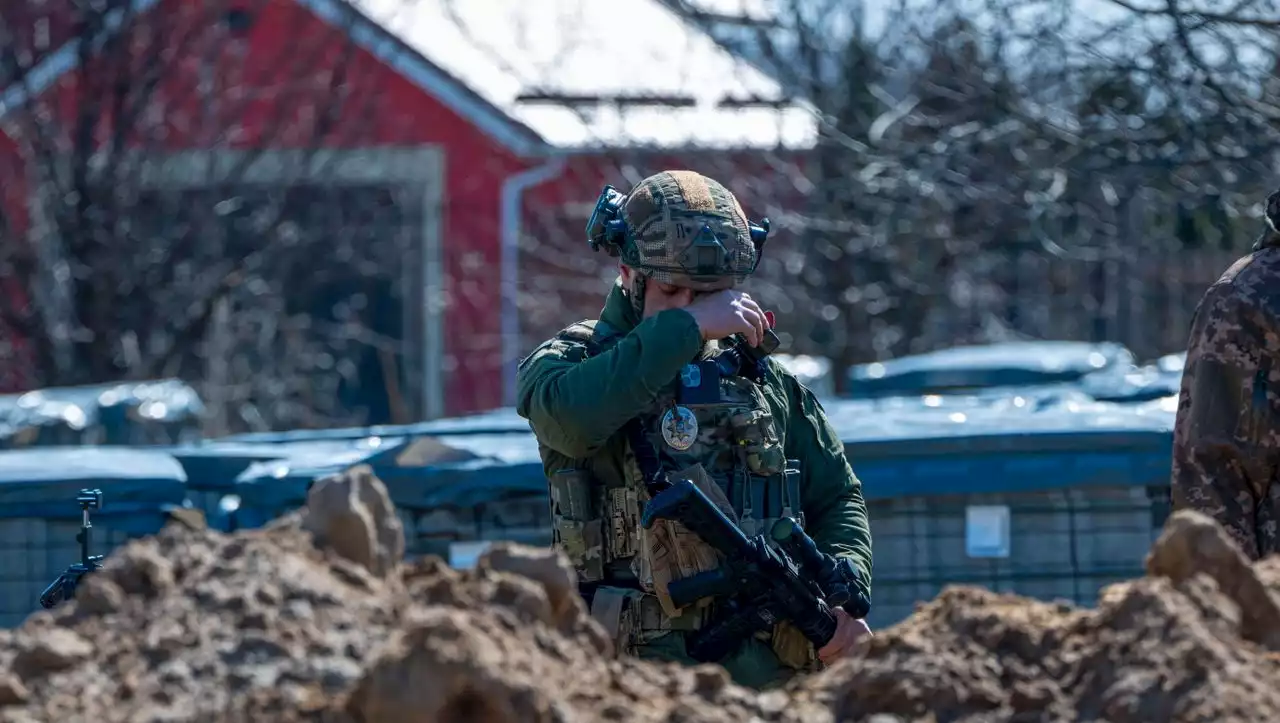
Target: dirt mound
314,619
1195,640
265,625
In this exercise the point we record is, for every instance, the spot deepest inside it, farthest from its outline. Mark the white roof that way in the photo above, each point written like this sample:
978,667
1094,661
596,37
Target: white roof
506,50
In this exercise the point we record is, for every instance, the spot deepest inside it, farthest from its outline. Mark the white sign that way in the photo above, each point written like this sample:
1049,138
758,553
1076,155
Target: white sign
986,531
463,555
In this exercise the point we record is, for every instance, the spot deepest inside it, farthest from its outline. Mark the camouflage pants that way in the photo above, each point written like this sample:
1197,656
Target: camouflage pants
639,627
754,665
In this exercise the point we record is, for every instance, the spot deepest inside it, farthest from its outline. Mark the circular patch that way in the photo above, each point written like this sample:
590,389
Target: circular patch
679,428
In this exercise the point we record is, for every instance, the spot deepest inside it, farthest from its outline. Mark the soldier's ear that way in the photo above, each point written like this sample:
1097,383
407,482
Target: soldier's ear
627,274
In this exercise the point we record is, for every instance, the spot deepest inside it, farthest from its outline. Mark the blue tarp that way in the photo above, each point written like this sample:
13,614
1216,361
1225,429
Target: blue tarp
498,421
1172,363
463,485
268,488
137,413
1007,364
488,458
136,484
214,466
421,474
1138,384
1011,413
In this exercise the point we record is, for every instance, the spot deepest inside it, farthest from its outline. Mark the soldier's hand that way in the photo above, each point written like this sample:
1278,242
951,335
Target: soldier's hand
850,634
729,312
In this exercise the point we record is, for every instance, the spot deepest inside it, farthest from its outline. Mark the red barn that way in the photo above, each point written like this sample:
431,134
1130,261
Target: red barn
500,119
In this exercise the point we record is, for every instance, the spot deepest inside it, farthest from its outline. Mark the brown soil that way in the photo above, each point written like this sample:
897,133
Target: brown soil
313,619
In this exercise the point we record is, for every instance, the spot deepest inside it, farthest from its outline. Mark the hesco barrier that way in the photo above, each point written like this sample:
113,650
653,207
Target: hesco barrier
1046,493
1050,514
39,517
1042,491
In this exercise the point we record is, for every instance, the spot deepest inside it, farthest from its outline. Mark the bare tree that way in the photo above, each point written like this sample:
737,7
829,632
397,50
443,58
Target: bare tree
1004,169
984,170
184,213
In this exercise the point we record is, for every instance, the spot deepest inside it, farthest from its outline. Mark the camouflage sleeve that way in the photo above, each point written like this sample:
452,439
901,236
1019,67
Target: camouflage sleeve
835,513
1226,436
574,406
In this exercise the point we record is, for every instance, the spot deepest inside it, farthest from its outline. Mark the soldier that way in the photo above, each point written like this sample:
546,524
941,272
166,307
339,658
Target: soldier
639,379
1226,441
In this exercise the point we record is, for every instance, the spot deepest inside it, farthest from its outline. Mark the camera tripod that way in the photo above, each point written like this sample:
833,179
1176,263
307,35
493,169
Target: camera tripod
64,588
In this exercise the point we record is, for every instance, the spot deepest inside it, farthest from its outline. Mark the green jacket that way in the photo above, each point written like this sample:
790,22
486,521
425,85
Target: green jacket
578,407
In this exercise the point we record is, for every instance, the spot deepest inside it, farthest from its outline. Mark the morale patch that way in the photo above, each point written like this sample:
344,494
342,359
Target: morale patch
679,428
691,375
699,384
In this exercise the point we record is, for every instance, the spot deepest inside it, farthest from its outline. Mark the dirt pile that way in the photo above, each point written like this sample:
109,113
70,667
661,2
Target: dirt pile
1195,640
314,619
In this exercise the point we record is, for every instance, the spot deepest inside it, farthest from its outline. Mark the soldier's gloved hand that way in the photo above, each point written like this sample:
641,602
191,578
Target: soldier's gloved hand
850,633
728,312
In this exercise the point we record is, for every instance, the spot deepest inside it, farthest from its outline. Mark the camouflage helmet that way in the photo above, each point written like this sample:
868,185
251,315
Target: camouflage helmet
685,229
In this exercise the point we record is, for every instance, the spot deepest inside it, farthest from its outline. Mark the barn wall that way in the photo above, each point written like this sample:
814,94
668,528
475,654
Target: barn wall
267,88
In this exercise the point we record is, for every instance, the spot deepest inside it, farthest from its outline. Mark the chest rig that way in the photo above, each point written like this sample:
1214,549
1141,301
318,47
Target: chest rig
715,415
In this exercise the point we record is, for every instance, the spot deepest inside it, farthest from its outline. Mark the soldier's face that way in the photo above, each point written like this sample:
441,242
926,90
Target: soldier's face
659,296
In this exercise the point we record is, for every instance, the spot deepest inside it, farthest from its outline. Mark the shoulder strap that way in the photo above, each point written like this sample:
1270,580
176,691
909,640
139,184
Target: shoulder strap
598,336
652,475
595,335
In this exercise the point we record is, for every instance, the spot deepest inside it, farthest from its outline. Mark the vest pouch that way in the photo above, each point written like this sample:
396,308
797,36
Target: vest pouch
576,526
633,618
622,523
756,434
615,609
793,649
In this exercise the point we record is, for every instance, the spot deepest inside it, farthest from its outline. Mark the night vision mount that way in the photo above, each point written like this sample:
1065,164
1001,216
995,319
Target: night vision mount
64,588
606,227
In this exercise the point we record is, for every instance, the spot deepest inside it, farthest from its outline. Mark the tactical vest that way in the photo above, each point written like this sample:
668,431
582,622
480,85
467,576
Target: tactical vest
734,437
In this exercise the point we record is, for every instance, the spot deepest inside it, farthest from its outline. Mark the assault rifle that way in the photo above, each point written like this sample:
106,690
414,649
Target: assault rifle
759,585
64,588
